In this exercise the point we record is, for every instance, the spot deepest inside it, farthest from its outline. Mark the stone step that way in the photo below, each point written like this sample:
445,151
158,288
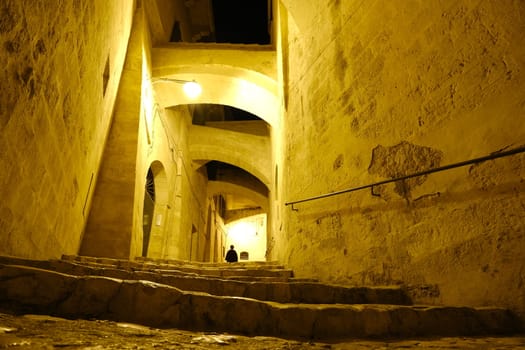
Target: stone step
28,289
217,270
172,263
247,264
278,291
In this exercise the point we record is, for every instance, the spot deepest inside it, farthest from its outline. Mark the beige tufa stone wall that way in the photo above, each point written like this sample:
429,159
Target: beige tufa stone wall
61,67
109,225
386,88
144,135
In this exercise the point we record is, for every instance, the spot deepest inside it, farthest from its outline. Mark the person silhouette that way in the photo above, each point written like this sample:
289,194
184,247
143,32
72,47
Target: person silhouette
231,255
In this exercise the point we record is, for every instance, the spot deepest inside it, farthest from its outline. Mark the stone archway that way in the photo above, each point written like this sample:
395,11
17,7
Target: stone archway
154,210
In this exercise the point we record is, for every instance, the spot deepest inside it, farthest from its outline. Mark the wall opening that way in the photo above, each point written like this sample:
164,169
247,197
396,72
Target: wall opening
147,215
155,211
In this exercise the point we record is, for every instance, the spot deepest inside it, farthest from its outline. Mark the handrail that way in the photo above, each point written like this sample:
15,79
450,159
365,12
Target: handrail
421,173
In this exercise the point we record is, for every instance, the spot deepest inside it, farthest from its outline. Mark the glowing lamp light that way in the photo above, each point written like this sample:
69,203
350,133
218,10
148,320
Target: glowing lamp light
192,89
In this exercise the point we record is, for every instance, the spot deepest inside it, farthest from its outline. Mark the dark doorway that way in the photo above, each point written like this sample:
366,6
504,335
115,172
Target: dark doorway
149,208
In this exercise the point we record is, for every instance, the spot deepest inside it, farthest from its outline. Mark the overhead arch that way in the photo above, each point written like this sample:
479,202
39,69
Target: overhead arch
230,77
224,187
248,152
233,60
204,154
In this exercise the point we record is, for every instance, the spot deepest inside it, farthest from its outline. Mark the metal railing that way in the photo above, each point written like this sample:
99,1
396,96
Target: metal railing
491,156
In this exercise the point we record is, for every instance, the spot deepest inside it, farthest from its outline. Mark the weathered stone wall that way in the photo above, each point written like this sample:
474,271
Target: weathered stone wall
110,223
386,88
61,64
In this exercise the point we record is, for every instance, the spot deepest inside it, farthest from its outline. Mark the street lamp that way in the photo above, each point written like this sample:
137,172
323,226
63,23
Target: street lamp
191,88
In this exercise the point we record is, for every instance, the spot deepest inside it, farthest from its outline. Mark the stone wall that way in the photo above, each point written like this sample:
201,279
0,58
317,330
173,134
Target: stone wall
386,88
61,62
181,233
179,222
108,229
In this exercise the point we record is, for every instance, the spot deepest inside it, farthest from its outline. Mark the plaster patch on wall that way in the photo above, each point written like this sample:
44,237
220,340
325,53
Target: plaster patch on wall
403,159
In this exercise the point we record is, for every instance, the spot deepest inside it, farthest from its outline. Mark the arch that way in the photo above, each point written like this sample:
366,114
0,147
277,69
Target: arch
154,208
255,63
249,152
245,79
223,187
206,153
161,182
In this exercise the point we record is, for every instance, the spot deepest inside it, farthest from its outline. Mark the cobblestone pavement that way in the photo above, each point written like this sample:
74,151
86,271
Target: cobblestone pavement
45,332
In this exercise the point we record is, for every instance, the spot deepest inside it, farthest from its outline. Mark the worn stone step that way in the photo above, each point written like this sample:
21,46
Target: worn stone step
216,270
27,289
280,291
247,264
117,266
172,263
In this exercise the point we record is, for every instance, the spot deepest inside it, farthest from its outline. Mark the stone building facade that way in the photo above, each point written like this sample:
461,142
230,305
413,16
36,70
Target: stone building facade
347,93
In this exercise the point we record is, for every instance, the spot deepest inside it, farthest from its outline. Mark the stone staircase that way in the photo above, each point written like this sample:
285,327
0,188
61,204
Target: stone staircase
251,298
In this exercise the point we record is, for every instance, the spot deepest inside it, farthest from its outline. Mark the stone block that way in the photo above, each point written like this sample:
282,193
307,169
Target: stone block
294,320
280,292
32,287
256,290
90,298
144,302
234,288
